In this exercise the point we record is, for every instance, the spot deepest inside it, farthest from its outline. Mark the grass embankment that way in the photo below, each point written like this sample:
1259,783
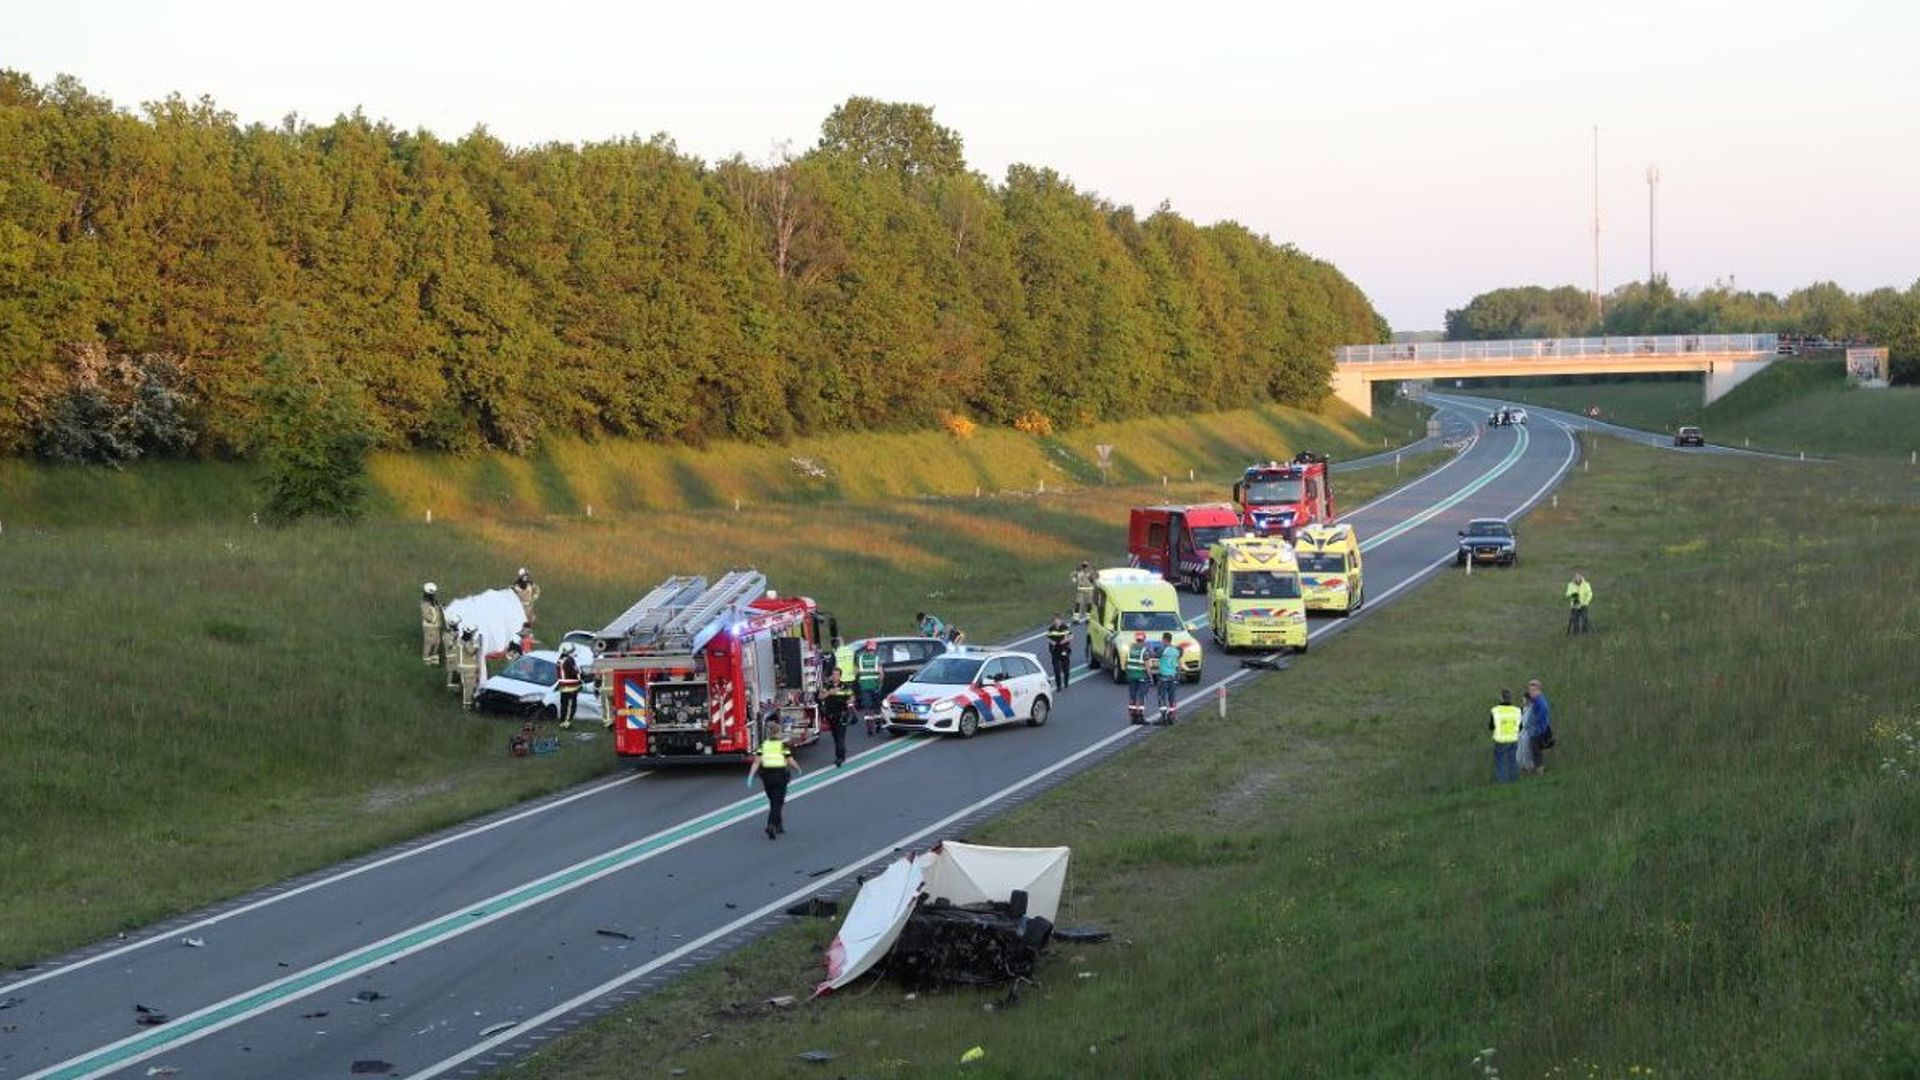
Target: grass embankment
1793,405
1717,877
206,706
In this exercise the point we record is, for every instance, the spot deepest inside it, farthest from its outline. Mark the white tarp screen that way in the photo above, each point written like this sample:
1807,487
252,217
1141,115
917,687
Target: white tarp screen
496,613
959,873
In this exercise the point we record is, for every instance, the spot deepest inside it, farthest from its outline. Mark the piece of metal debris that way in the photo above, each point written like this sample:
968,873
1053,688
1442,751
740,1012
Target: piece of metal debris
366,997
12,1001
1084,935
372,1067
147,1016
817,1057
314,1015
163,1070
194,942
822,872
495,1029
784,1001
621,934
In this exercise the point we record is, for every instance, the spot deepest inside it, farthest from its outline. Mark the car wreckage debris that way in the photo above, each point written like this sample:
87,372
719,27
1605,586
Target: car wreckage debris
1083,935
981,944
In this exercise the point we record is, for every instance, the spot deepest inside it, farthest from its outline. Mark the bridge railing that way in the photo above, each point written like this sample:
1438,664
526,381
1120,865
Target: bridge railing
1559,348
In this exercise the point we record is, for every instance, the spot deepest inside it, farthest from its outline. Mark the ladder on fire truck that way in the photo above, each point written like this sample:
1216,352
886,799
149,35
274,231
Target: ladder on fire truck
641,624
695,624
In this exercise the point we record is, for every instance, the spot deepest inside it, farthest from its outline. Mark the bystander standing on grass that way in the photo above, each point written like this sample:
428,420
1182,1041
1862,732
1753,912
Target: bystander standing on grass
1539,725
1504,722
1579,598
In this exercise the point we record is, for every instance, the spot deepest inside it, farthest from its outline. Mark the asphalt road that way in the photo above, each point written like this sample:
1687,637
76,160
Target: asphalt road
544,915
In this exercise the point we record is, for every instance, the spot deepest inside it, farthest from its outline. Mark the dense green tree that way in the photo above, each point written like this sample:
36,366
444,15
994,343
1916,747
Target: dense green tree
472,294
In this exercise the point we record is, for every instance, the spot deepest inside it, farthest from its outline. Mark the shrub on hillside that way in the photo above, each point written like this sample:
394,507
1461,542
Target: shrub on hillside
105,409
1033,422
314,436
958,426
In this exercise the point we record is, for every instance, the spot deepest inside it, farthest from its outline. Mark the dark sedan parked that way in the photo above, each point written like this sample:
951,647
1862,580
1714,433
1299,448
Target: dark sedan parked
1689,436
1488,540
900,658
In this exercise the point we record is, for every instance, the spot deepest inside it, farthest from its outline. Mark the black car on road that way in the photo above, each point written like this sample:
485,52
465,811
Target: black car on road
1689,436
1488,540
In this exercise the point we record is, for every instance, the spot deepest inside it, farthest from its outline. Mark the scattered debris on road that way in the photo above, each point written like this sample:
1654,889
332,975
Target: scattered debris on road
194,942
163,1070
367,997
373,1067
621,934
147,1016
12,1001
495,1029
314,1015
1267,662
822,872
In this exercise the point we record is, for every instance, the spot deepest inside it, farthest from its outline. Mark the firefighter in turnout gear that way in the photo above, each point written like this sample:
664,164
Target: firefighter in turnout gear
1060,650
472,665
1083,591
774,764
432,620
867,681
450,650
1137,679
527,591
569,684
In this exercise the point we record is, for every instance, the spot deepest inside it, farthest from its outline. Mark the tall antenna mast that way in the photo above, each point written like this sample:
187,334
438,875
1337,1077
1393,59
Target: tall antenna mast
1653,191
1599,306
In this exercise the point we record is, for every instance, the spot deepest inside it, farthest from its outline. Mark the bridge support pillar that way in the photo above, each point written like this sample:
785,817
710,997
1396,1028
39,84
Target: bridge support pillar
1724,375
1350,386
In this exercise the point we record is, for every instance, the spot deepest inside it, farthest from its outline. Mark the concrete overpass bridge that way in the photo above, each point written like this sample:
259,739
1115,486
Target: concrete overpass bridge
1727,360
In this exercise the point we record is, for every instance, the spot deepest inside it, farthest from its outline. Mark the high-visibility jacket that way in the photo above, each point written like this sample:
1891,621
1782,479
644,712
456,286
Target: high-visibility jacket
1083,580
1137,663
773,754
1060,638
429,613
569,675
1506,723
866,665
1579,593
529,594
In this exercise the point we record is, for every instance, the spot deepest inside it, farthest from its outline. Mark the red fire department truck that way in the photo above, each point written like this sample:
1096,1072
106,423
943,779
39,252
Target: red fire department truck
697,674
1277,498
1177,540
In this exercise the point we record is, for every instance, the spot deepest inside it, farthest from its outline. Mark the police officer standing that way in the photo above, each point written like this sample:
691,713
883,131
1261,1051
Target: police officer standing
569,684
868,679
775,765
527,591
1504,722
1060,650
1136,664
432,619
835,699
1082,591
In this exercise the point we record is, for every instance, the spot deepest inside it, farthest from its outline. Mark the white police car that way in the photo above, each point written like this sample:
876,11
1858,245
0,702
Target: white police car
529,686
962,691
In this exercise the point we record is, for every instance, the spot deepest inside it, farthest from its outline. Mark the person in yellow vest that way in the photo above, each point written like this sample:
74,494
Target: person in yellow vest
1579,599
1504,722
527,591
1136,669
432,619
774,764
868,681
1083,591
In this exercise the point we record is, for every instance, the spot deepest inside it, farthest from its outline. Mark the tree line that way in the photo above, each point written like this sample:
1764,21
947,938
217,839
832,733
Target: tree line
157,270
1886,316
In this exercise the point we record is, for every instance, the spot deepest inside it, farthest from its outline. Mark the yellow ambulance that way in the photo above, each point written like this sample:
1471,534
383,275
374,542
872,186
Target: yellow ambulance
1330,568
1254,596
1129,601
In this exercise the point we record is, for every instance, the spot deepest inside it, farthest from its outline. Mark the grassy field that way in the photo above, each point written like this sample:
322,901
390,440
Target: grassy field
1716,877
206,706
1792,406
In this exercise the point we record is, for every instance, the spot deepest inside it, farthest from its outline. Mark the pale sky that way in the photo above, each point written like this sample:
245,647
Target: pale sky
1431,149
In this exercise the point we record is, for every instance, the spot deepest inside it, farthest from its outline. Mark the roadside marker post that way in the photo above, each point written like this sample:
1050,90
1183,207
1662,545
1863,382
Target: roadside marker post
429,516
1396,464
1220,699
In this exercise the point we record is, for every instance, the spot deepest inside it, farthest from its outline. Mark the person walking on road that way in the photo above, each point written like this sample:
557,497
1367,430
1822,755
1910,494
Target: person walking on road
1539,725
569,685
774,764
527,591
1167,675
1082,591
1579,599
432,622
1060,650
867,681
835,698
1136,665
1504,722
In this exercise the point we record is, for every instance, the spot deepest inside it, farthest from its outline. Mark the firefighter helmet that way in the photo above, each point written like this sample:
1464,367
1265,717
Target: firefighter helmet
567,649
430,588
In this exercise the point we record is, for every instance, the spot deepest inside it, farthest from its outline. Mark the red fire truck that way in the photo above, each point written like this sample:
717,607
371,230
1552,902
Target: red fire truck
694,673
1176,541
1277,498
